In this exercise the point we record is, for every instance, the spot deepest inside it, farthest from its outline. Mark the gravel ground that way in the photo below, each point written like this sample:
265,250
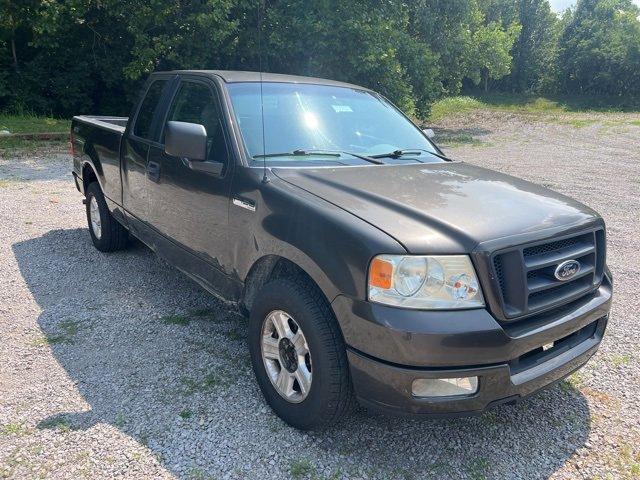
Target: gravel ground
116,365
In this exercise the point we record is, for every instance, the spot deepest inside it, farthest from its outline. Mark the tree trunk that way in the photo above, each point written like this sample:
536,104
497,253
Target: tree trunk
13,51
486,82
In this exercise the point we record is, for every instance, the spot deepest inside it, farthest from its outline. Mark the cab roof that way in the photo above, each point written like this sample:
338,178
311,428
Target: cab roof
236,76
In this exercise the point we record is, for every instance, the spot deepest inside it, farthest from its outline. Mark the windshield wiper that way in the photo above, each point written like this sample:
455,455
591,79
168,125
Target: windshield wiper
365,157
329,153
405,151
439,155
299,153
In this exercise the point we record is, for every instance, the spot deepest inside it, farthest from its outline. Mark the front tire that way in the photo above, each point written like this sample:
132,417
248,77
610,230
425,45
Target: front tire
107,234
298,355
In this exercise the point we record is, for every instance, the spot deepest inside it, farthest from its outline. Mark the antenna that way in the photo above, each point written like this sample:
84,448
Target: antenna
265,179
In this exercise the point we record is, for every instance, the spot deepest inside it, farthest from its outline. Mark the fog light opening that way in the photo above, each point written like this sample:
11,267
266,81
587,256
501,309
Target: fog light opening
444,387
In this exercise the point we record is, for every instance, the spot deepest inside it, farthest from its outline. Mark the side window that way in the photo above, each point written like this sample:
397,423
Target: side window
142,128
197,103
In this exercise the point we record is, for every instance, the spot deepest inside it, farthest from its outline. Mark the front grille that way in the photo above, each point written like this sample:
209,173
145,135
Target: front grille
551,247
526,274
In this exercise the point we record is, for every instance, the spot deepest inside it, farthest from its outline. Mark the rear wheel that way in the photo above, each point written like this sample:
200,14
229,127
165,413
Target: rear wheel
298,354
107,234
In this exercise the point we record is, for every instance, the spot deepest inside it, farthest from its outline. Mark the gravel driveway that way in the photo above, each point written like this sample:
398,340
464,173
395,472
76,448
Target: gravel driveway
116,365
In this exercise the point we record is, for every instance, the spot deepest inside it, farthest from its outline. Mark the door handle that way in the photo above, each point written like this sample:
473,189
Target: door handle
153,171
212,168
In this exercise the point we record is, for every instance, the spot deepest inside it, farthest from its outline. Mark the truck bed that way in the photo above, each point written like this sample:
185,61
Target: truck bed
117,124
98,138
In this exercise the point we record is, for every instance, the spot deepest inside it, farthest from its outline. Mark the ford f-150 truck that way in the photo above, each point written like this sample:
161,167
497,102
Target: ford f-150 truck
372,266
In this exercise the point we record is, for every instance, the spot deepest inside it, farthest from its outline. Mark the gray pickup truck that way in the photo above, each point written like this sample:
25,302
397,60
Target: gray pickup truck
372,267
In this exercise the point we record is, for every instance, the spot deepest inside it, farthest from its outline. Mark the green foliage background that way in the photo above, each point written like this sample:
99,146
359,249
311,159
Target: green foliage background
64,57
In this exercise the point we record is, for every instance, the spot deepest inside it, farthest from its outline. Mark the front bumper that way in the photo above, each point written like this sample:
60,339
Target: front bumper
389,348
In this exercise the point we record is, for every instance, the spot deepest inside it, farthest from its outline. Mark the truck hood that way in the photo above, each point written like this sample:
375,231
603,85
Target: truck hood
442,207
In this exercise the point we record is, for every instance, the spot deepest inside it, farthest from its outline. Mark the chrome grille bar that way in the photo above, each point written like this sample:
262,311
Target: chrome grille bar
527,277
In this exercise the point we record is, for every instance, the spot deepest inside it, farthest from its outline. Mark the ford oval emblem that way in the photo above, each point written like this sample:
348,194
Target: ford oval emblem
567,270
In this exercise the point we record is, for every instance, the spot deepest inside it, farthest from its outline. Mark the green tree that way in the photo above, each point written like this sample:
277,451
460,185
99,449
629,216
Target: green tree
445,27
15,15
599,49
472,38
359,41
535,47
492,58
74,56
534,50
80,50
168,34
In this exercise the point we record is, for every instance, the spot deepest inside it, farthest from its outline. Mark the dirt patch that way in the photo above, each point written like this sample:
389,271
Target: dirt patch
118,366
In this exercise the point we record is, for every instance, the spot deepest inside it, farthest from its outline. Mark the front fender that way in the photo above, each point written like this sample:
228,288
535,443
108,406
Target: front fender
331,245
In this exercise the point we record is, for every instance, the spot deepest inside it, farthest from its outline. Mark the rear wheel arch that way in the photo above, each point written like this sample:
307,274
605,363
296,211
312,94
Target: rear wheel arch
91,167
88,176
91,170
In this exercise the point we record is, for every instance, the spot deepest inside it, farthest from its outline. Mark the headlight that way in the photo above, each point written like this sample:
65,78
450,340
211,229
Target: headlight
424,282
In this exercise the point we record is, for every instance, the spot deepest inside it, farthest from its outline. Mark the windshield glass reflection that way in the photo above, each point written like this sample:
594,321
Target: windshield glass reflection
307,118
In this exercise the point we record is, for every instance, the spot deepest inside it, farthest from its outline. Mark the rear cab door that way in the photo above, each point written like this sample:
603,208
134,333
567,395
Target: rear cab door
143,131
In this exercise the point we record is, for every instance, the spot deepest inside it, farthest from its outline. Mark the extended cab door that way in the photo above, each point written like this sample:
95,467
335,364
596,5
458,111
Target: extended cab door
187,207
142,132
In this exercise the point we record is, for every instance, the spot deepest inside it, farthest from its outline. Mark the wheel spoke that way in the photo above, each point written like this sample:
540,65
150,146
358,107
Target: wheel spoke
281,323
304,379
270,348
285,382
300,343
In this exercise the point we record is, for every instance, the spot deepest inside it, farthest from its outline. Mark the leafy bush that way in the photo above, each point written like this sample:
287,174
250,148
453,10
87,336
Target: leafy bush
67,57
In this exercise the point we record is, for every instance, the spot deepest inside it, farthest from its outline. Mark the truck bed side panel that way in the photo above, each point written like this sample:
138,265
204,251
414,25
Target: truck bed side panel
100,139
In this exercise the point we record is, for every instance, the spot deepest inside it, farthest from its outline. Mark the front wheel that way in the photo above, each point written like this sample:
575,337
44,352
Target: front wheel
298,354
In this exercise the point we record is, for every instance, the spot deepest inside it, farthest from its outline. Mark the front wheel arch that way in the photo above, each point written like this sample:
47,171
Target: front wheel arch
271,267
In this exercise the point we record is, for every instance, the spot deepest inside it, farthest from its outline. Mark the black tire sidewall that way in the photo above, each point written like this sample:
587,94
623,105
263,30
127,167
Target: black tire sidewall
102,243
311,412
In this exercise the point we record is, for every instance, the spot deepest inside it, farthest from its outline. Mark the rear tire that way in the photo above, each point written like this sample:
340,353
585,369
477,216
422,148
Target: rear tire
329,395
107,234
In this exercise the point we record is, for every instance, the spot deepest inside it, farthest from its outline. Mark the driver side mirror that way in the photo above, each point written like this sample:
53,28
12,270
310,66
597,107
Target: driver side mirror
188,141
429,132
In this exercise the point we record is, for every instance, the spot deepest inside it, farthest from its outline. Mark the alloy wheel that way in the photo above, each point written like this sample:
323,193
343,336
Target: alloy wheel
286,356
94,216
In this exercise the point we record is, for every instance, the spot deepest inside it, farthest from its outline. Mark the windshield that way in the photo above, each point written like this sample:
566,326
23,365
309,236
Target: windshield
304,122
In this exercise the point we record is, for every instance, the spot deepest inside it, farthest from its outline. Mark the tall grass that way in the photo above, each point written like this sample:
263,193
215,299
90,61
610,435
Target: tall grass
454,105
531,104
28,123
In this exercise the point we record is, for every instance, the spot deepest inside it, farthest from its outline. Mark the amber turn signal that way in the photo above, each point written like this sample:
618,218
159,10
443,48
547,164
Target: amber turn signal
380,273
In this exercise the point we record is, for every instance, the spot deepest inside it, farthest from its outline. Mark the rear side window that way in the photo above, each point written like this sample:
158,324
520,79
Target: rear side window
142,128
